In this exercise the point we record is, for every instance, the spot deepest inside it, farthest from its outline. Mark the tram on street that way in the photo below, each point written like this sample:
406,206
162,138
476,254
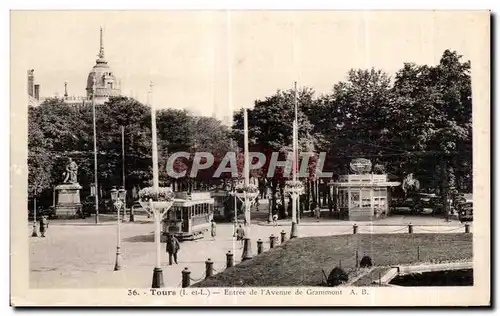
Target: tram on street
190,215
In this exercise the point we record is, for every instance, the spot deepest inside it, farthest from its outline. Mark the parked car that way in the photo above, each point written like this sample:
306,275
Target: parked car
457,204
425,201
415,203
465,207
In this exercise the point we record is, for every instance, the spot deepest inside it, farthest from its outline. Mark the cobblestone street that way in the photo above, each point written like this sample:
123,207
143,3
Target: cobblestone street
83,256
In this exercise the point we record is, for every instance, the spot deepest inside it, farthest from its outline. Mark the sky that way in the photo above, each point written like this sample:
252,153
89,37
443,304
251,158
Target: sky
219,61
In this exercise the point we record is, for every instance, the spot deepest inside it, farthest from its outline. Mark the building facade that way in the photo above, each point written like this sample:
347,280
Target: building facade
33,89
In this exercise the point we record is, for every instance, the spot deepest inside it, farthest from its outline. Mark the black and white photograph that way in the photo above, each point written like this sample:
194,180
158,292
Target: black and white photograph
239,157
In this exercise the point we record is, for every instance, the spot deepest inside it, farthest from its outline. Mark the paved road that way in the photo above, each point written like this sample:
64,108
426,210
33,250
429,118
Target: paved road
83,256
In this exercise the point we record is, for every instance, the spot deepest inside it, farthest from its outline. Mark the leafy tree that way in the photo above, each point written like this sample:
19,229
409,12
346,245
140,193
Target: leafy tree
433,119
51,133
39,163
136,121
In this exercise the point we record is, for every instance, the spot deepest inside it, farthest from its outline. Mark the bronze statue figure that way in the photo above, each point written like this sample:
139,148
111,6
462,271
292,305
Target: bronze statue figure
71,172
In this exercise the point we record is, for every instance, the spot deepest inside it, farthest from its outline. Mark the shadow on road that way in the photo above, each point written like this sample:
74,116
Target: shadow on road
141,238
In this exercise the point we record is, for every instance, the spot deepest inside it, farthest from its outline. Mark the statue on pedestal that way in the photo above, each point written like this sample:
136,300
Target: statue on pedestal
70,176
67,201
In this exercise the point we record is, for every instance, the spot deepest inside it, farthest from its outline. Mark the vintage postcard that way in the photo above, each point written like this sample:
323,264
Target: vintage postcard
250,158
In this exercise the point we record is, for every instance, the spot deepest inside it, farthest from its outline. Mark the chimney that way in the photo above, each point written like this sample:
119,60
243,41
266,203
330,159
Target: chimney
37,91
31,81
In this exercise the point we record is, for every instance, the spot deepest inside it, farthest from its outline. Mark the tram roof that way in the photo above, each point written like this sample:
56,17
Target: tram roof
183,202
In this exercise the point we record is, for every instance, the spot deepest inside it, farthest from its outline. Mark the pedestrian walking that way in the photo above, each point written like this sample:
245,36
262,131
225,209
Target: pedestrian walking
317,211
212,228
44,225
240,234
275,219
278,205
173,248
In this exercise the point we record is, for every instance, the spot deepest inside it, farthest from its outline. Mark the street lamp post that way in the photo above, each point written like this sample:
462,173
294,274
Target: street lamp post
235,203
95,152
156,208
132,217
295,188
245,192
118,198
123,175
157,272
35,232
270,205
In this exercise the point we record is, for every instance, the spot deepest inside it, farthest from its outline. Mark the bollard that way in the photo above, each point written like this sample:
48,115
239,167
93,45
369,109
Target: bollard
357,259
467,228
209,268
272,241
132,217
410,228
294,233
283,236
354,229
186,277
259,246
229,259
247,249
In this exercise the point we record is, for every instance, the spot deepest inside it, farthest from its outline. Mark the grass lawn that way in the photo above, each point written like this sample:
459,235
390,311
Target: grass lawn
299,262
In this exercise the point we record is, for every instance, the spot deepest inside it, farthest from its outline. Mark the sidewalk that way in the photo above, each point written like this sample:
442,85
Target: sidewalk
85,257
55,261
104,220
398,220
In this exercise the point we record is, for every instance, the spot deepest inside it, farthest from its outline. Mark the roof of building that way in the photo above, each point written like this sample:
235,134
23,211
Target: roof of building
101,74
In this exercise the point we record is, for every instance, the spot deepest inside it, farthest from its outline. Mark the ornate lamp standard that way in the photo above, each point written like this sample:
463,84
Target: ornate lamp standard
118,198
294,189
157,202
247,193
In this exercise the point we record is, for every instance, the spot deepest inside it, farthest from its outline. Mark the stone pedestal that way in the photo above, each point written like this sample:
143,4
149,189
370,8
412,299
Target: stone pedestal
68,200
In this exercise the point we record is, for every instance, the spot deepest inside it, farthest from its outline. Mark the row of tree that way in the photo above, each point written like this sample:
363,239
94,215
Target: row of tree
58,131
418,122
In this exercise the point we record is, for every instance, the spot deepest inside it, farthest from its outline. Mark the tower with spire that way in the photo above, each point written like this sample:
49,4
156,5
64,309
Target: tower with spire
106,85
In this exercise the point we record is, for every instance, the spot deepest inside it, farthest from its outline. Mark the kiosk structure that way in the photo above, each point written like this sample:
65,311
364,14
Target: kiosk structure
363,196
